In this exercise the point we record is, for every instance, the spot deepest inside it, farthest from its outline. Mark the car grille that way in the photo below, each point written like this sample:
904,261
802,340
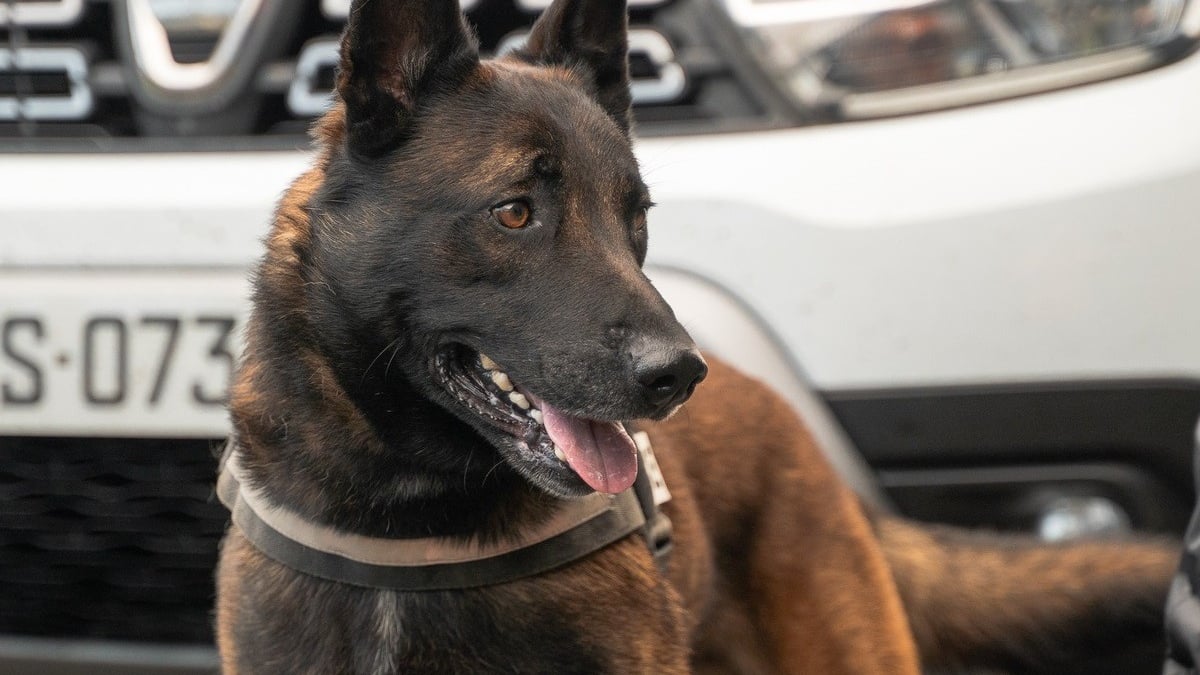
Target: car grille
69,77
107,538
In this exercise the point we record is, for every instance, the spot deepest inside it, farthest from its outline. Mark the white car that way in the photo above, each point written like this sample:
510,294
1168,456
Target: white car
969,230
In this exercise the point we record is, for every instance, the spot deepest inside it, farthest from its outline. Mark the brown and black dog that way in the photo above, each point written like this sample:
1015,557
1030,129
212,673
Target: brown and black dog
468,217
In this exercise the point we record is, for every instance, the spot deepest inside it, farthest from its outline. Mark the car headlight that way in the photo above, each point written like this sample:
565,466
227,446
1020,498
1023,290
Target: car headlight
854,59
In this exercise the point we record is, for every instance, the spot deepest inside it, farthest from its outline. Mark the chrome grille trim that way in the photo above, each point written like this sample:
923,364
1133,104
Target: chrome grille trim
152,47
305,98
340,9
539,5
67,60
670,82
44,13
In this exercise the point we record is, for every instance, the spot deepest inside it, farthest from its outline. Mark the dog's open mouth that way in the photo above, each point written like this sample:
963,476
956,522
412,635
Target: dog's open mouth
600,452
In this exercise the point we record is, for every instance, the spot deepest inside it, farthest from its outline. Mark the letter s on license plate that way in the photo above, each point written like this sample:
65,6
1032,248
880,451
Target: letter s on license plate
118,355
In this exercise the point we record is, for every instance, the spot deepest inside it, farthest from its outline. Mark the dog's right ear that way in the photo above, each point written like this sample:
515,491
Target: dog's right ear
593,37
394,52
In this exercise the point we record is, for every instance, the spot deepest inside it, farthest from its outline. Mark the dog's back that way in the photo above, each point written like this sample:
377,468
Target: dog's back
796,551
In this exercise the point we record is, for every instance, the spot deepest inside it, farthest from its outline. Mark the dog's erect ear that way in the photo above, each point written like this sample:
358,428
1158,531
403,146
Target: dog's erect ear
393,53
591,36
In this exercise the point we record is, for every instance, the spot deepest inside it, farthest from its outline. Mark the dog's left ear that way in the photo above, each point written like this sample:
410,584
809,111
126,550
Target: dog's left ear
592,37
395,53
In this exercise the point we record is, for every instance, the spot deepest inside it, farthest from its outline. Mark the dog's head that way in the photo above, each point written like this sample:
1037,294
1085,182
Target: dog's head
481,231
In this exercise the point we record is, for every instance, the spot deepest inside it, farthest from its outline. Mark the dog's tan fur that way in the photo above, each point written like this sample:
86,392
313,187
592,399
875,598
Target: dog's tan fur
816,585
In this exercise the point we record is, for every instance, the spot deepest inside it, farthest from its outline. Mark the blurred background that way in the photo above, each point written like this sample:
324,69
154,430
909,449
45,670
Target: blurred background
959,235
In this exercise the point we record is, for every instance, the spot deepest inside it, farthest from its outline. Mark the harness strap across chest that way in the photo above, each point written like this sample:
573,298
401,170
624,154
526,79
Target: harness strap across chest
578,528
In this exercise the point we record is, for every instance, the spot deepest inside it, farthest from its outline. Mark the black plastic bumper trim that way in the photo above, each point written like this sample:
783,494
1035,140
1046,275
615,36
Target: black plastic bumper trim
1146,422
40,656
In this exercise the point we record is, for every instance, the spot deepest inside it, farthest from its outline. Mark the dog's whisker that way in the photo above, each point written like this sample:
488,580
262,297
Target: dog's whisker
491,471
322,283
390,345
388,368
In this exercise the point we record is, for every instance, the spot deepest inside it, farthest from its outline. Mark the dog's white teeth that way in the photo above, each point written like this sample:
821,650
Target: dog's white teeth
519,398
486,362
562,456
502,381
537,416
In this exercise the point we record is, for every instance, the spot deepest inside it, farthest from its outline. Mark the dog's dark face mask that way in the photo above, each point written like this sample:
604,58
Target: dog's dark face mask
480,236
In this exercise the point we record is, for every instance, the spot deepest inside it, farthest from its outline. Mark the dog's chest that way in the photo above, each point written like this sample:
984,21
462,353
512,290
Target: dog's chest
468,632
387,622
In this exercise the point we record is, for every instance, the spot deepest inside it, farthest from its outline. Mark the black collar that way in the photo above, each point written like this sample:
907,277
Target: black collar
577,529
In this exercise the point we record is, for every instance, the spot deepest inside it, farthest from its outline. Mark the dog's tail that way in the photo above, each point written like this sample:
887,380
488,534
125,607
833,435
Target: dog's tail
1023,606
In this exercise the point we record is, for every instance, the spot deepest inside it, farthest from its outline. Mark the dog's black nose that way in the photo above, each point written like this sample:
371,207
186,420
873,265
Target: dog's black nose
669,376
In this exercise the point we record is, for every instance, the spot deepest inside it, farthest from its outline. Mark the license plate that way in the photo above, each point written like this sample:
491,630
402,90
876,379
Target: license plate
131,354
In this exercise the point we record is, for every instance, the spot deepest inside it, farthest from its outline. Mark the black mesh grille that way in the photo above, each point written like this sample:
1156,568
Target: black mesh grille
106,538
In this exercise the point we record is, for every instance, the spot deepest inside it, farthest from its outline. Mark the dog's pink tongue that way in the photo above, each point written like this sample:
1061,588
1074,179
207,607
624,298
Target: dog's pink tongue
602,453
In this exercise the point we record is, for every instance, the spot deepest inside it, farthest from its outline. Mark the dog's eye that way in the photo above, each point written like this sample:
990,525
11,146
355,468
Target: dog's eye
514,215
639,220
